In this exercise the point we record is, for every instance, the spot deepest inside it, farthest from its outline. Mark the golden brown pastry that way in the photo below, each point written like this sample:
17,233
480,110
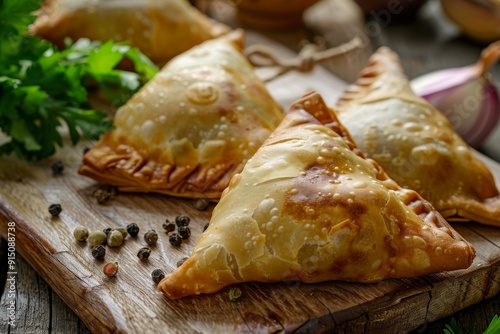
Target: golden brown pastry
161,29
308,206
415,143
190,128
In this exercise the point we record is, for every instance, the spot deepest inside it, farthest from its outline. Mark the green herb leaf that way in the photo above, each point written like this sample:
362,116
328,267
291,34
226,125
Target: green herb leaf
43,88
234,294
494,326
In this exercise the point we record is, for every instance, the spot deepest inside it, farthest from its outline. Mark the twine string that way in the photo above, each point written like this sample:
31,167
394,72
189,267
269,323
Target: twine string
310,55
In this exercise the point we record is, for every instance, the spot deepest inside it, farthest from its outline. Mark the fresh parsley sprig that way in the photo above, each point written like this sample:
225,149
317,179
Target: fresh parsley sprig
43,88
454,328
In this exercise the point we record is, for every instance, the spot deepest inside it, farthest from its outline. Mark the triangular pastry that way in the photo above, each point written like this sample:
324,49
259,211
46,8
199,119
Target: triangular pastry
190,128
308,206
415,143
161,29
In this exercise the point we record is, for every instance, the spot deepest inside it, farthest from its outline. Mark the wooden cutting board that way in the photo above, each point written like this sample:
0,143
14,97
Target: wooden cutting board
129,302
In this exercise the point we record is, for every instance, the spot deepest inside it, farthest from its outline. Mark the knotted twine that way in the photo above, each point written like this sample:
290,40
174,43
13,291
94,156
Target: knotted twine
311,54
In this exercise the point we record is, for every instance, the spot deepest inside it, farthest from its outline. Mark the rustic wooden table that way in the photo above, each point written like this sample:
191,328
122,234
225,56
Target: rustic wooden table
425,43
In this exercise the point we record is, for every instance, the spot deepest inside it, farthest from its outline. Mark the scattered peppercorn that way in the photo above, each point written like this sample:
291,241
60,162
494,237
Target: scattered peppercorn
205,227
123,231
168,226
107,230
184,232
151,237
55,209
97,238
182,220
175,239
144,253
157,275
201,203
57,168
133,229
181,261
86,149
115,238
104,194
110,269
81,233
234,293
98,252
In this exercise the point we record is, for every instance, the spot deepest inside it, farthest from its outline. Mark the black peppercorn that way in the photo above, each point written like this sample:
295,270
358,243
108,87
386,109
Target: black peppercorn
144,253
85,150
151,237
157,275
205,227
107,230
182,220
168,226
184,232
133,229
55,209
98,252
57,168
175,239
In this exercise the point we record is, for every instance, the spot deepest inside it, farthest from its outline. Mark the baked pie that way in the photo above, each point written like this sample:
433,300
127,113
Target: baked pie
415,143
308,206
161,29
191,127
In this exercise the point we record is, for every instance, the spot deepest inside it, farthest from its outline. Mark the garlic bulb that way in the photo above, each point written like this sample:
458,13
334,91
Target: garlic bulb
465,95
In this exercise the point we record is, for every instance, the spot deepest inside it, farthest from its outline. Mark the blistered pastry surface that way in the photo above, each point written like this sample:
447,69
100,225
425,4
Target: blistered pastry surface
161,29
415,143
190,128
306,206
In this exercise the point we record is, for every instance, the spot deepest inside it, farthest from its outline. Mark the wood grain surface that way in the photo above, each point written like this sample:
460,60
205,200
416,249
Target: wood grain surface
129,303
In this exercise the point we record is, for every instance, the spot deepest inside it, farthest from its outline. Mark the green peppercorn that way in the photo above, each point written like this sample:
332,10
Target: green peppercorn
55,209
144,253
123,231
175,239
234,293
151,237
181,261
110,269
107,230
115,238
168,226
133,229
157,275
184,232
57,168
98,252
104,194
97,238
81,233
201,203
182,220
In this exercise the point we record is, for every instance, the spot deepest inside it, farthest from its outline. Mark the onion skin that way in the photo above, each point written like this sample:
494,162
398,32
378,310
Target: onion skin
476,21
465,95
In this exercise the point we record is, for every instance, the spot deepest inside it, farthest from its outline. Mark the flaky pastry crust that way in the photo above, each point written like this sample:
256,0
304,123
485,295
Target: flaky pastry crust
189,129
415,143
308,206
161,29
